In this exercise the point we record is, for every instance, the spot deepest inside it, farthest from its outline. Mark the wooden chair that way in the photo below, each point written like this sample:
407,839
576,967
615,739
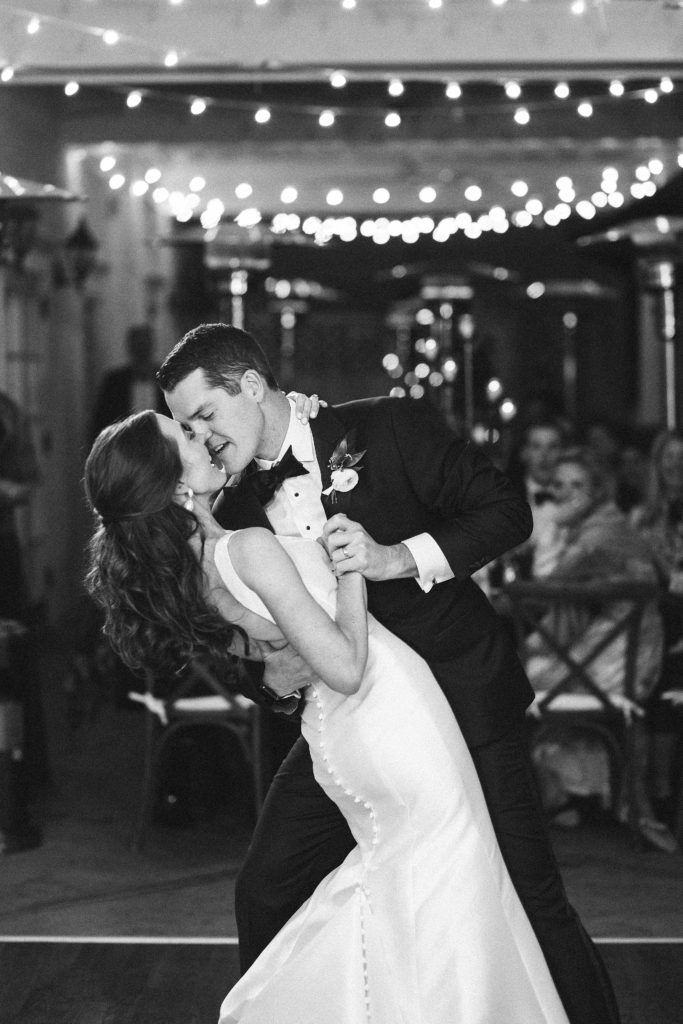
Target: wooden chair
218,703
538,607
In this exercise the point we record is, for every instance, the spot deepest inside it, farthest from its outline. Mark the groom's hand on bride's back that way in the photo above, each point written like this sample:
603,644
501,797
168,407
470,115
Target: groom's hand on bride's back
285,677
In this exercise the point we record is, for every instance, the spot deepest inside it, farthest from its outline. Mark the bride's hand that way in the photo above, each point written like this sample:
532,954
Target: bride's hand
306,408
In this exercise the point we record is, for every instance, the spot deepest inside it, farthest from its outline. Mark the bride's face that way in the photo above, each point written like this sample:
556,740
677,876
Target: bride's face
199,471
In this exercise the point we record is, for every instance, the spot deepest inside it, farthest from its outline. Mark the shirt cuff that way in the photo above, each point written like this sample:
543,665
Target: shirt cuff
430,560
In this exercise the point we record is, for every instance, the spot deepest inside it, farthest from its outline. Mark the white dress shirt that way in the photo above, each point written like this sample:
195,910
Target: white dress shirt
296,508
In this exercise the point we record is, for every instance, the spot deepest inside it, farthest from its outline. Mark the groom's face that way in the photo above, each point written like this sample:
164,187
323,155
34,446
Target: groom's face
231,426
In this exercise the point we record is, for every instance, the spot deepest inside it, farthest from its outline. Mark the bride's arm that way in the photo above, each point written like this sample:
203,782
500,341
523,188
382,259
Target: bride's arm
335,649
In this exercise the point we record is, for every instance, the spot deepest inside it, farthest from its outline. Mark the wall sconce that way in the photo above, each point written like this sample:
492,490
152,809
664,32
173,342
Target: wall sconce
80,254
19,199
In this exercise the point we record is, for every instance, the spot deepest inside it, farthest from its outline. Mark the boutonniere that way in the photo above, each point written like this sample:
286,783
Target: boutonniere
342,461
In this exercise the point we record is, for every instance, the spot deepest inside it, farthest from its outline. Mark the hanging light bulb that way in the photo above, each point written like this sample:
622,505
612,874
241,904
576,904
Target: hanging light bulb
650,95
666,85
513,90
7,73
453,91
616,87
562,90
71,88
396,87
392,120
171,58
198,106
262,115
134,99
110,36
326,119
338,80
522,115
33,26
585,109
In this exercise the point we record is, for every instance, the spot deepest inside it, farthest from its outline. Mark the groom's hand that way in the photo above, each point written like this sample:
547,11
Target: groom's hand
286,675
352,549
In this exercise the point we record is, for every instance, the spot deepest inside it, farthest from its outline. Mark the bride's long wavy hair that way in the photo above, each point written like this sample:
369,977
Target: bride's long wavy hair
142,570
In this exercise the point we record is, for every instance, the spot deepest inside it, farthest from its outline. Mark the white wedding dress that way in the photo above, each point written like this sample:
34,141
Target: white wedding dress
420,924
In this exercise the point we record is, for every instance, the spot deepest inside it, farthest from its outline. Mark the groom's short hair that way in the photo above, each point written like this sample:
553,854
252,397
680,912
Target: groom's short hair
223,352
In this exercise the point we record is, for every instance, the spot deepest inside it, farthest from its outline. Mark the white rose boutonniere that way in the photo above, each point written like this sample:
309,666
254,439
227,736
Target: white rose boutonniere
344,477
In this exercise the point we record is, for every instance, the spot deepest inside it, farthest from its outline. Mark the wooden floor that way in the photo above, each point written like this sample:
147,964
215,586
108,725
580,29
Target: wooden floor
181,983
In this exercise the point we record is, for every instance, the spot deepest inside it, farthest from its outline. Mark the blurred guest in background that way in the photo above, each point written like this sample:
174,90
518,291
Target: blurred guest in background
659,520
132,387
598,546
18,477
541,447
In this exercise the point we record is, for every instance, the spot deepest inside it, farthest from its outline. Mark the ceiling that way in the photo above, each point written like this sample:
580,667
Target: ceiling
245,56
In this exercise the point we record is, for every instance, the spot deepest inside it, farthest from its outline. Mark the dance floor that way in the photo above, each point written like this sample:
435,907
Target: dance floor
182,981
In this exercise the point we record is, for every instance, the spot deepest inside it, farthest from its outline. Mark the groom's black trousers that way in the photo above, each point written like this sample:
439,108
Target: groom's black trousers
301,836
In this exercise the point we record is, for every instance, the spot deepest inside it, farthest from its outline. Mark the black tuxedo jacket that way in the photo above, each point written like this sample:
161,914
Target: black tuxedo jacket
417,477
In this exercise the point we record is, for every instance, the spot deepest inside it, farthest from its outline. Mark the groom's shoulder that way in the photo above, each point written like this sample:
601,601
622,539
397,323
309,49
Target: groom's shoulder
415,414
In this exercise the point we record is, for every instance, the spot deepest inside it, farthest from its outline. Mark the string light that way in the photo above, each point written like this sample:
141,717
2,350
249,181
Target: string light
134,99
666,85
427,194
262,115
7,73
243,190
585,109
171,59
71,88
522,115
473,193
519,188
198,106
197,184
334,197
117,181
616,87
453,91
152,175
289,194
326,119
381,195
513,90
33,26
650,95
393,119
338,80
107,163
110,36
395,87
562,90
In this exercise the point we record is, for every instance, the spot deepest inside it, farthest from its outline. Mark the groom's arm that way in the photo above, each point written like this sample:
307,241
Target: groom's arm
474,512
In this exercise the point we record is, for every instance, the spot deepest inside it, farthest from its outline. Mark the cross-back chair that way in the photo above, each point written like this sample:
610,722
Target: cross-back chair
538,609
200,698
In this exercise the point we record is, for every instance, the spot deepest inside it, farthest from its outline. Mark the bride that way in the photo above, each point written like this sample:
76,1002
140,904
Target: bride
420,924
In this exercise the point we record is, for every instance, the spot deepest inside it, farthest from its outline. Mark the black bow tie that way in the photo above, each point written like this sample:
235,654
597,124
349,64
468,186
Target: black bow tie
265,482
541,497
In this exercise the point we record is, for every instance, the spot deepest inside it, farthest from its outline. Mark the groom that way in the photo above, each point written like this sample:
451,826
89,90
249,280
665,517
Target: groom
398,497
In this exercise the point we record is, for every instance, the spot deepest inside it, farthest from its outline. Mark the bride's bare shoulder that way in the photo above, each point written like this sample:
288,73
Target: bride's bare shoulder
254,543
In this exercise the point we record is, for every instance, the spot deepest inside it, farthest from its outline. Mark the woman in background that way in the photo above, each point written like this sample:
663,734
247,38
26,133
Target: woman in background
599,547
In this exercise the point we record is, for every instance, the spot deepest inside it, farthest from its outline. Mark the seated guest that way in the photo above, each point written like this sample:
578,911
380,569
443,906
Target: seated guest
599,546
659,520
542,444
